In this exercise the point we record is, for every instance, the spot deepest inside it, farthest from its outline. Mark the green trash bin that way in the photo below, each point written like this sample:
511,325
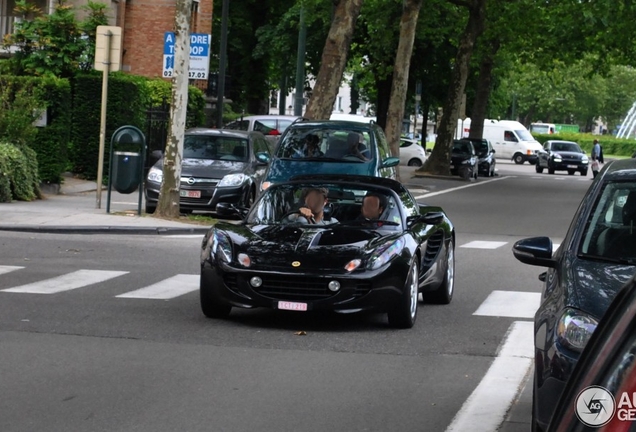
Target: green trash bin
126,171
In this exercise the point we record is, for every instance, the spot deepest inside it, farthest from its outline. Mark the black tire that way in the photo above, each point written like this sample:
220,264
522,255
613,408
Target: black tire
150,209
550,170
404,314
571,172
464,172
251,197
538,168
210,306
415,162
444,292
583,173
519,159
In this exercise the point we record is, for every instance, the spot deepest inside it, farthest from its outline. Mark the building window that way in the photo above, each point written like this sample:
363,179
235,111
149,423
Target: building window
194,19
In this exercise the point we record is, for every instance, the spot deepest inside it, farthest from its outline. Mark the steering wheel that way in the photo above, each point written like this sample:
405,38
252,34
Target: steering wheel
289,213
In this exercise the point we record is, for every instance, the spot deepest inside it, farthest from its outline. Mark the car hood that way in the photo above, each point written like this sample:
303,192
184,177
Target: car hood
275,247
208,168
281,169
592,285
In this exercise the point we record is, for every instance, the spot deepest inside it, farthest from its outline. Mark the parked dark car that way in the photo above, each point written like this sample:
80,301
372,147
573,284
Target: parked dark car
595,259
464,160
217,166
272,126
346,264
486,161
344,147
607,371
562,156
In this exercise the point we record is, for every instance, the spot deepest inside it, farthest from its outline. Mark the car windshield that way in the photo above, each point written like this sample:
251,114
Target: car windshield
481,148
215,148
610,231
281,204
541,129
462,147
319,144
524,135
566,147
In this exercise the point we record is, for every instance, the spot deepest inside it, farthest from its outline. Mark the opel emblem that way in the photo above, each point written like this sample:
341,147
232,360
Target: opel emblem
191,181
296,264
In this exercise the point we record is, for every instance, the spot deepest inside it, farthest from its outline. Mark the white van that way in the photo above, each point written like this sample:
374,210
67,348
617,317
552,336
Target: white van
510,139
543,128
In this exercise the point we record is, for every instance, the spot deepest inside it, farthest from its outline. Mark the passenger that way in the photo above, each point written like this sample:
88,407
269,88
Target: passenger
355,141
311,149
373,206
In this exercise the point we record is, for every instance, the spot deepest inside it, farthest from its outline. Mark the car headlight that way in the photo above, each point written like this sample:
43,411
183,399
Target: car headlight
584,159
556,157
385,253
232,180
265,185
220,246
574,329
155,175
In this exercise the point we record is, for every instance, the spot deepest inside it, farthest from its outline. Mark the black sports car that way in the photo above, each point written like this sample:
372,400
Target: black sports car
343,263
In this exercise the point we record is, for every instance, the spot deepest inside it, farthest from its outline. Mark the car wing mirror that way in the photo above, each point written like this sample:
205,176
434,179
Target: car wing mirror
390,162
262,158
227,209
534,251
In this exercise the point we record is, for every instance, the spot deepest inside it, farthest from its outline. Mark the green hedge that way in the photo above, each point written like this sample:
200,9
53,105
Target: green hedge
611,145
18,173
51,142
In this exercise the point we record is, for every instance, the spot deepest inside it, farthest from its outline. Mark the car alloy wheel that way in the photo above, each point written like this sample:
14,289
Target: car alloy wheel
519,160
405,313
415,162
444,293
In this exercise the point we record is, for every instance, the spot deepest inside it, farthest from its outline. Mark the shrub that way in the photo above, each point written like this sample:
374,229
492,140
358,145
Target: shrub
18,171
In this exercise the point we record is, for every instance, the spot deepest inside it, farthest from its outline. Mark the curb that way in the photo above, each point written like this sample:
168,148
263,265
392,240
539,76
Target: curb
53,229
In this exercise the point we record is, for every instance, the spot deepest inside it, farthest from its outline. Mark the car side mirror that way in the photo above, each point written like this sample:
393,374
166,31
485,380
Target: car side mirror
390,162
493,151
227,209
262,158
534,251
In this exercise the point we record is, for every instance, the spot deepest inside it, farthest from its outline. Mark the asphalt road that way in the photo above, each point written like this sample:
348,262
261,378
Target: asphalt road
87,360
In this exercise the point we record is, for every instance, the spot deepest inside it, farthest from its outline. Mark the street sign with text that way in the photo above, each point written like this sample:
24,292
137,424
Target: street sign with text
199,64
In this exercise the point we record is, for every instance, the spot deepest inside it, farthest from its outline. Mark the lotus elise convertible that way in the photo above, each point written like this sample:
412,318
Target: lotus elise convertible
346,263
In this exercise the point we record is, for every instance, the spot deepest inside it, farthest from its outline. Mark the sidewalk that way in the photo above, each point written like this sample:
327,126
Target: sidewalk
73,209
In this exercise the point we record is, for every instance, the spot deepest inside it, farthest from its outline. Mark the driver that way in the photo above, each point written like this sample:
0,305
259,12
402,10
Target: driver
312,212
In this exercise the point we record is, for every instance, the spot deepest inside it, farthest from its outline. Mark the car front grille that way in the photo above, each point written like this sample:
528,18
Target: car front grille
433,246
296,288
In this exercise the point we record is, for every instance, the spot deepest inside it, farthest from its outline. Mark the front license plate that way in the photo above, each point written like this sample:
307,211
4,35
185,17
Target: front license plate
452,167
572,166
190,194
292,306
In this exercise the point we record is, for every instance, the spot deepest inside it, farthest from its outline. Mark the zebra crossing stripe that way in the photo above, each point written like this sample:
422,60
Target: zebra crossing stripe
166,289
7,269
67,282
483,244
515,304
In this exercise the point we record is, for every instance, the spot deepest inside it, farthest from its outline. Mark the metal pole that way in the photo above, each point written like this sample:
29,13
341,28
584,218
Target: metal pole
222,65
300,64
102,125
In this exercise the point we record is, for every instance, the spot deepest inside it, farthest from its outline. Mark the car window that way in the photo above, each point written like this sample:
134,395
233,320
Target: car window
405,144
214,147
569,147
383,145
260,145
265,126
524,135
332,143
283,125
238,125
510,136
611,223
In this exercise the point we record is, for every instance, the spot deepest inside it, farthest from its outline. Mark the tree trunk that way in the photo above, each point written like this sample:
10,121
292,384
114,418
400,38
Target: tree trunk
482,94
383,87
334,59
401,67
439,161
168,204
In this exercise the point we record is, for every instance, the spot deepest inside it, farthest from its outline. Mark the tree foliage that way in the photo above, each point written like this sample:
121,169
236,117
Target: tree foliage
56,44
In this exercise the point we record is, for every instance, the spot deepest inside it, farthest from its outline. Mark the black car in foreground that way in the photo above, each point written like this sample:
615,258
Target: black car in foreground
595,259
345,264
217,166
562,156
464,160
600,392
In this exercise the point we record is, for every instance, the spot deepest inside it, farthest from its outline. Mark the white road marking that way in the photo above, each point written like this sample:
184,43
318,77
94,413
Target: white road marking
166,289
486,407
7,269
461,187
515,304
484,244
67,282
538,178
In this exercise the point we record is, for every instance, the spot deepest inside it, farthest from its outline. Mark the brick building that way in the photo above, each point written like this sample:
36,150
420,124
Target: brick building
143,23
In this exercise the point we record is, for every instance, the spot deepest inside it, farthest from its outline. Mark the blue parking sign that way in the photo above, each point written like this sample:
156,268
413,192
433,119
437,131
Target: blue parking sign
199,62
